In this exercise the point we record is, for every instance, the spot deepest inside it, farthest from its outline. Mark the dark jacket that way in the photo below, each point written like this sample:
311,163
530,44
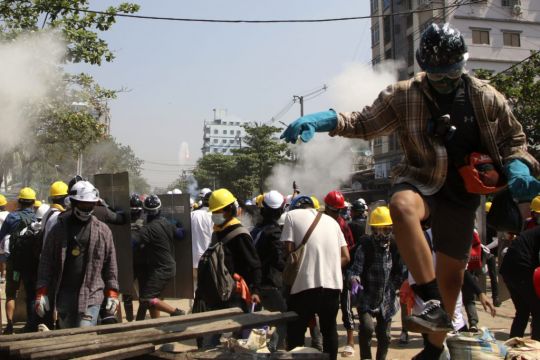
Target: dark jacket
241,257
156,239
266,237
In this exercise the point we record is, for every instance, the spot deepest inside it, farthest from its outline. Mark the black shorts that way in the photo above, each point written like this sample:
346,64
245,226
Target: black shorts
12,285
452,223
151,287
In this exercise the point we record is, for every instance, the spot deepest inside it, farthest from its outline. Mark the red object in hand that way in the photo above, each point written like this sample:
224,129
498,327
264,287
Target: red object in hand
536,281
242,288
111,293
480,175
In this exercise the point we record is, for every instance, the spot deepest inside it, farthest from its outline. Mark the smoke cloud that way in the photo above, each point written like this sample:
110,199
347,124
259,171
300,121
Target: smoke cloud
326,163
29,70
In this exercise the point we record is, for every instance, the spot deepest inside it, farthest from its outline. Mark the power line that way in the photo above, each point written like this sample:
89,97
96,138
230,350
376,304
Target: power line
243,21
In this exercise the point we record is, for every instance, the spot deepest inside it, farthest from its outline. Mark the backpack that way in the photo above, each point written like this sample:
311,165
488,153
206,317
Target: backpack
215,284
24,244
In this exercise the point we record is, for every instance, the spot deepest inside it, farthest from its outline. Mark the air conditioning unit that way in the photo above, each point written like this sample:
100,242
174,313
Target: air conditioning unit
517,10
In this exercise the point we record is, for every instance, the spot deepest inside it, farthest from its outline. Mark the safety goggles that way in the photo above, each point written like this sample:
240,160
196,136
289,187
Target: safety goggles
452,75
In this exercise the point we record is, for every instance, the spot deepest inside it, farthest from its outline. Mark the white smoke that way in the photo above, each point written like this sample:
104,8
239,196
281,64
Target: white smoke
326,163
29,70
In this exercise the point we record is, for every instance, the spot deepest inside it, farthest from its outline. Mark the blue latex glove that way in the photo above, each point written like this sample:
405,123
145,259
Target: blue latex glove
521,183
307,125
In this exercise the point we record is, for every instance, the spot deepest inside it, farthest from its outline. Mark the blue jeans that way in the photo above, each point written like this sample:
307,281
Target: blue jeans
74,319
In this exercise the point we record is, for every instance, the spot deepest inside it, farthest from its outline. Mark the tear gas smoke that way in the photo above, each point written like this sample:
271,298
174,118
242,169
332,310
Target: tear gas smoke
325,163
29,70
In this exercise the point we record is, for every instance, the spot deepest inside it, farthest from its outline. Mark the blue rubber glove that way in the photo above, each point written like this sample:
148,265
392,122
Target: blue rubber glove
307,125
521,183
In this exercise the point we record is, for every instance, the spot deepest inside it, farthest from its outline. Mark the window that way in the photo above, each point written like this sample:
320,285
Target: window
386,4
375,36
224,141
224,150
215,131
374,5
388,54
224,131
387,29
480,36
409,20
231,141
511,39
237,132
216,141
510,3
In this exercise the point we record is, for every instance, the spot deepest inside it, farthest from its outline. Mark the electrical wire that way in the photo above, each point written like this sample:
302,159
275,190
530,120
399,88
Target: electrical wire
242,21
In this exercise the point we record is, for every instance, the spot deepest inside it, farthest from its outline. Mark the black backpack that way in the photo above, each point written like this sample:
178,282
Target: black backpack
215,284
23,245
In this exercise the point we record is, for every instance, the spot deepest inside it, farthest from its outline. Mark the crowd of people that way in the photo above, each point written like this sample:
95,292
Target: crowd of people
419,247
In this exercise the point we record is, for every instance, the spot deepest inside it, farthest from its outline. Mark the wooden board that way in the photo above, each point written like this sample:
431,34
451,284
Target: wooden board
120,354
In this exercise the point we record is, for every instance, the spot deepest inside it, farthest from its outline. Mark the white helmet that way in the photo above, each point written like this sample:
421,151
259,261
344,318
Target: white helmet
273,199
40,212
84,191
203,192
169,192
177,191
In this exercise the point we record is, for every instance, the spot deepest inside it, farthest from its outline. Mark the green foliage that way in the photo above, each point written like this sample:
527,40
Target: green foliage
245,172
79,29
521,86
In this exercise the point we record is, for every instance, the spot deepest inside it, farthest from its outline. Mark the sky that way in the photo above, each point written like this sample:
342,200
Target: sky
176,73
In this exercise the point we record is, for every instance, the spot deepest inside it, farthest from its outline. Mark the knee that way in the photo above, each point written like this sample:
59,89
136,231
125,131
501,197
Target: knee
402,208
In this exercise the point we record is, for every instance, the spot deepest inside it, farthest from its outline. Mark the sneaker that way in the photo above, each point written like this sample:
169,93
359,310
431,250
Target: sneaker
473,329
178,312
433,319
404,338
348,351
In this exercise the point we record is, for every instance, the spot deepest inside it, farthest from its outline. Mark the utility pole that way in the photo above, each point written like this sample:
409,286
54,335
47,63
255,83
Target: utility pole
301,101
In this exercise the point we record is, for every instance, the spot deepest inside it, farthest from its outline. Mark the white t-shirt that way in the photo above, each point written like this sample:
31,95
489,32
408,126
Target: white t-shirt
201,233
321,265
457,320
3,216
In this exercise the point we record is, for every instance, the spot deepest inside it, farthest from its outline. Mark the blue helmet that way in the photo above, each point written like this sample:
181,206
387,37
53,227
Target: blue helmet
300,200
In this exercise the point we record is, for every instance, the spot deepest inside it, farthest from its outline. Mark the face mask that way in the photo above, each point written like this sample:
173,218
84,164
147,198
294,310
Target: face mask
382,239
84,216
218,219
445,86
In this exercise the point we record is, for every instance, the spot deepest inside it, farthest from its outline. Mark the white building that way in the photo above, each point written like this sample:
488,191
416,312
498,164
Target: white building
222,135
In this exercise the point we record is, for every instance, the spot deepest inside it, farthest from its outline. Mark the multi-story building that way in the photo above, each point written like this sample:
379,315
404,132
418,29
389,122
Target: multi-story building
222,135
499,33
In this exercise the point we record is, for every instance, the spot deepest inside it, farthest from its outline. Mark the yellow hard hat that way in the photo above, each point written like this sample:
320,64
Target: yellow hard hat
535,204
316,204
58,188
37,203
259,200
220,199
27,194
3,200
488,206
380,217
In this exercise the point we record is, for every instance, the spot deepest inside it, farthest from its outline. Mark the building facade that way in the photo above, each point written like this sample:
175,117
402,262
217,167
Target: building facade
499,34
222,135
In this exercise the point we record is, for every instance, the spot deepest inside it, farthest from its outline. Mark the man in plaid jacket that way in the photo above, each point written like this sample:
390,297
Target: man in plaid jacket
459,140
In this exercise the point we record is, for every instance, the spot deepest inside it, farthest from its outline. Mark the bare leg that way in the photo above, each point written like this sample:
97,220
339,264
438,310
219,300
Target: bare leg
449,279
408,209
10,310
161,305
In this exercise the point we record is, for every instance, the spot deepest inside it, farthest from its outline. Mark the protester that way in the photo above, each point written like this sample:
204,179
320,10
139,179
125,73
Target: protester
334,203
534,219
518,270
266,238
58,193
378,271
316,288
240,258
14,223
358,218
201,230
156,238
450,124
77,269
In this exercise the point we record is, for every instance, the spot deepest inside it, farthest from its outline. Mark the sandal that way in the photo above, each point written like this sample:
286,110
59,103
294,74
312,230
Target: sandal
348,351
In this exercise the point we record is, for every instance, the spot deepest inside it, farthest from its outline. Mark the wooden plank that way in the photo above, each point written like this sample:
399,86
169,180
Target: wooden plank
105,329
168,334
120,354
40,342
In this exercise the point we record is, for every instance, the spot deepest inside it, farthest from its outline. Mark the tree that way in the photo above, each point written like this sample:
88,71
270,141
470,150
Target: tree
80,29
245,172
521,86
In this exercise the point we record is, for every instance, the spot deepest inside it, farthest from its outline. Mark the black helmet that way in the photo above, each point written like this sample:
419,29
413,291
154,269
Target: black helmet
442,49
359,205
135,201
75,180
152,204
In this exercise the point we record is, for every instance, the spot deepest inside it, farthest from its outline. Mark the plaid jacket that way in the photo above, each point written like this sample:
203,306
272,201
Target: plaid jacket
101,270
402,107
381,276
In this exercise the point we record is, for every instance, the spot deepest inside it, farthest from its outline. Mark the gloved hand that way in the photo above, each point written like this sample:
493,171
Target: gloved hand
112,301
307,125
522,185
41,304
356,286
